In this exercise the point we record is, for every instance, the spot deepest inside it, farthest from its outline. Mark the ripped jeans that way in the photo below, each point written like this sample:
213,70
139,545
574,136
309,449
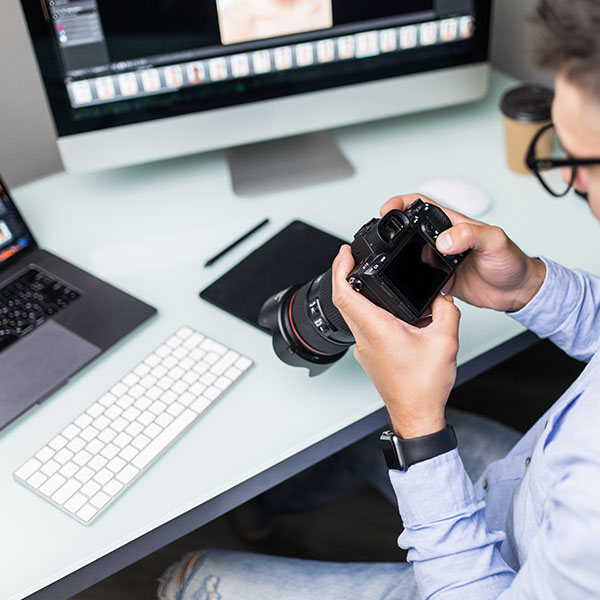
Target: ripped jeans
230,575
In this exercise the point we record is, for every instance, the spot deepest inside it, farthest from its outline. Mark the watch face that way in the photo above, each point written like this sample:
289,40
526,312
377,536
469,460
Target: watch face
390,450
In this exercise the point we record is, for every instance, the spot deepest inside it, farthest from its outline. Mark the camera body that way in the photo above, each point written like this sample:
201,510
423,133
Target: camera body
397,267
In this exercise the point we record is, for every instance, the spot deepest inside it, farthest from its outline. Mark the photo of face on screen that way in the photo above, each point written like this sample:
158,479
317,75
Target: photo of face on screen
245,20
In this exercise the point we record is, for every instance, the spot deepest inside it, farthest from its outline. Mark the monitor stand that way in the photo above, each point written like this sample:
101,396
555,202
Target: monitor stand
286,163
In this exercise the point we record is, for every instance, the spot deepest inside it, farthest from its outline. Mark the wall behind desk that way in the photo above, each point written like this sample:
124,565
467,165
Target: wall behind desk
27,138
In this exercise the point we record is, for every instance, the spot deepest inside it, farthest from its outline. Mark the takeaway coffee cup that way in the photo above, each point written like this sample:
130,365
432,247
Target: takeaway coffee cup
526,109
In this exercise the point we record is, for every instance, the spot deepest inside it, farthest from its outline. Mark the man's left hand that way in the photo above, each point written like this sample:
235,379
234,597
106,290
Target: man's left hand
412,366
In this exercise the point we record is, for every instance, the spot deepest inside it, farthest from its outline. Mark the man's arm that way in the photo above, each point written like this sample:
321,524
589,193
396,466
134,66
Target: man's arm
455,556
566,310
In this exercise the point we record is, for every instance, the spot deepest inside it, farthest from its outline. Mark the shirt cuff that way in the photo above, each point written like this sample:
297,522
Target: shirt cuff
433,490
545,311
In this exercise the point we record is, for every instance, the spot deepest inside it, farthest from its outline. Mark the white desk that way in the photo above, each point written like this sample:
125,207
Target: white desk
149,230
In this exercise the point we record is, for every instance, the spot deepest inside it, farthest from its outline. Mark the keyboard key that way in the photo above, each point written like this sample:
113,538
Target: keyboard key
66,491
169,362
90,488
94,446
137,391
170,396
110,451
113,412
243,363
89,433
108,435
63,456
132,413
193,341
197,389
233,373
197,354
146,418
58,442
184,332
125,401
224,363
69,470
86,513
127,474
50,468
164,439
141,441
118,390
76,444
223,383
148,381
158,372
95,410
49,487
97,463
180,353
107,399
36,479
175,409
143,403
101,423
85,474
201,367
212,346
163,419
130,379
142,370
128,453
81,458
70,431
134,428
212,393
75,503
122,440
200,405
103,476
157,407
211,358
208,378
152,430
153,360
174,341
154,393
113,487
100,499
28,469
119,424
116,464
44,454
163,351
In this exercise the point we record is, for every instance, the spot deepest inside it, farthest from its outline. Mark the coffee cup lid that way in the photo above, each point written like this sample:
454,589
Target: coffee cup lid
530,103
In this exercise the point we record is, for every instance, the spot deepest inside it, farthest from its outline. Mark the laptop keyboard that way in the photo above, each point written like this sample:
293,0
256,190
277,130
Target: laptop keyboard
26,302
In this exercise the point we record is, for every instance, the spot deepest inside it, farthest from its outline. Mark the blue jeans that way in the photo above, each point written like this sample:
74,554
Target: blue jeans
229,575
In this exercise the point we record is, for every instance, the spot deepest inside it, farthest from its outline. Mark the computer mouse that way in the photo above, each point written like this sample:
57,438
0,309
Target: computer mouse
458,194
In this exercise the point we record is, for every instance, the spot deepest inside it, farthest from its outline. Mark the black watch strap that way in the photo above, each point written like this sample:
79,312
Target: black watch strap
401,454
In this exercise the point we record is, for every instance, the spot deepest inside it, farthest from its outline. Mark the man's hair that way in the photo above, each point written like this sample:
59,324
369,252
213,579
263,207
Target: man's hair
565,36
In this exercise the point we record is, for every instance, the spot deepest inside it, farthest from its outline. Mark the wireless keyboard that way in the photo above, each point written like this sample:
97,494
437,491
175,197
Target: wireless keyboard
99,455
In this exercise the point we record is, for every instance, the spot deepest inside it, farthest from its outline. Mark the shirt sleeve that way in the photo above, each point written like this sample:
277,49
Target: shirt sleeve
456,557
565,310
453,553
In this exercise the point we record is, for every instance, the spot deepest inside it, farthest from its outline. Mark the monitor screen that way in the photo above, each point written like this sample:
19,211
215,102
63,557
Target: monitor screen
107,64
14,235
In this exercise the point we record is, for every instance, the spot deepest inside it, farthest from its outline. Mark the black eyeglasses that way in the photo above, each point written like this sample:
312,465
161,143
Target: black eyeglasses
546,158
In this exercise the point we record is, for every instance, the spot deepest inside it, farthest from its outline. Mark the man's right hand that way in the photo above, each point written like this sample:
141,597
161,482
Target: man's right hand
496,274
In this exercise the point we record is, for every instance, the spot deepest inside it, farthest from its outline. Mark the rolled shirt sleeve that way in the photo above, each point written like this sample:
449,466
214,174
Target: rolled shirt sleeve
566,310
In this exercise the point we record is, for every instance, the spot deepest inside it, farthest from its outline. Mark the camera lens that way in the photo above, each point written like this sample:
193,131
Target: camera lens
308,330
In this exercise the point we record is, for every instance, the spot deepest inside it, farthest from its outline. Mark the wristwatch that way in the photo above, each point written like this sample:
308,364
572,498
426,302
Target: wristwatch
401,454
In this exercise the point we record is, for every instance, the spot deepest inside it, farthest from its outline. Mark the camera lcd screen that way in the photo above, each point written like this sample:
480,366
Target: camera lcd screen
417,273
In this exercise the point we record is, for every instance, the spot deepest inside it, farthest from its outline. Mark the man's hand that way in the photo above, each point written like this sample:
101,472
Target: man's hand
496,274
412,367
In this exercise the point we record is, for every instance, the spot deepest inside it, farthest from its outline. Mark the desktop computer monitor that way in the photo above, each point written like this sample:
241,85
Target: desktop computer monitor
138,80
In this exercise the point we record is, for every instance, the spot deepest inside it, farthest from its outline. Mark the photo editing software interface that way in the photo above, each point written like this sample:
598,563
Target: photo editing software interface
114,63
14,236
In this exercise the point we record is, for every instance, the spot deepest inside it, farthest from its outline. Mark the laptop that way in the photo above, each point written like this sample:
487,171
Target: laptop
54,317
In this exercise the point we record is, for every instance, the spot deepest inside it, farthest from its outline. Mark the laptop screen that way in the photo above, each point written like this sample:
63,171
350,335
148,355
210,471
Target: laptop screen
14,235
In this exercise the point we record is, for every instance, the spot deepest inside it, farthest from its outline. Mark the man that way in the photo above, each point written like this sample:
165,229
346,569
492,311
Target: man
530,526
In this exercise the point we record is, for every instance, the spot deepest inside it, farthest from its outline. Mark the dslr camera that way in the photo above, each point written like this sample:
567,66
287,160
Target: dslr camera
397,267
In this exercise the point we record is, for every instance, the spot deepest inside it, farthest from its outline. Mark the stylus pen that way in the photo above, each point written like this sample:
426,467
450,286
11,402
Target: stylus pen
216,257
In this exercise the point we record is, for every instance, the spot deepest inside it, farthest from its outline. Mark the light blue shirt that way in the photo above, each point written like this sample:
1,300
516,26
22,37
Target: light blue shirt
530,527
